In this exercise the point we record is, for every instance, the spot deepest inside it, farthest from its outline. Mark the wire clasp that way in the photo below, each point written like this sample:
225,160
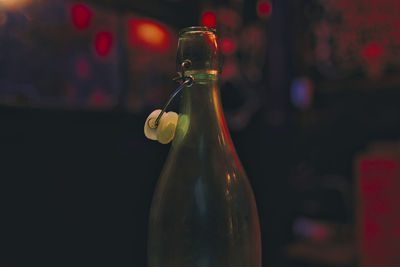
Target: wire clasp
185,81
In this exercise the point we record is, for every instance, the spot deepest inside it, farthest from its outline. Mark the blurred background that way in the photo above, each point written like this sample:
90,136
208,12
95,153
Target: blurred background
310,90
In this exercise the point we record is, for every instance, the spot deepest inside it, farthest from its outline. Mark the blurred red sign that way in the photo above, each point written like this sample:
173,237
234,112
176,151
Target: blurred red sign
379,212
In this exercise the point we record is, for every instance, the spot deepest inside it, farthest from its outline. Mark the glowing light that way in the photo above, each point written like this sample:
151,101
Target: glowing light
13,4
148,34
209,19
103,42
228,46
264,9
81,16
373,51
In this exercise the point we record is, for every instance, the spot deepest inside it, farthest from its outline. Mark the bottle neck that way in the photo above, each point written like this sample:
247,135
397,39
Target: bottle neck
201,103
201,120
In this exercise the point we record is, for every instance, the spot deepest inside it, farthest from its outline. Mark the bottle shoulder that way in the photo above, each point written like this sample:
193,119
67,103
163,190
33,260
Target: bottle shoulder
218,172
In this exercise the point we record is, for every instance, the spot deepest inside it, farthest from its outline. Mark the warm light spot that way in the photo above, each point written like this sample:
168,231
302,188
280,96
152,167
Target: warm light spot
148,34
13,4
227,46
103,42
228,178
209,19
264,9
81,16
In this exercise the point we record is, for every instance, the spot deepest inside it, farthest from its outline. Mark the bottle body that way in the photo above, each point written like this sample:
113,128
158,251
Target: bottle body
203,212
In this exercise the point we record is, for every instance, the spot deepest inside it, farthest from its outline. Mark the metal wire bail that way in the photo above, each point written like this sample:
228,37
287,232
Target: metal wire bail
186,81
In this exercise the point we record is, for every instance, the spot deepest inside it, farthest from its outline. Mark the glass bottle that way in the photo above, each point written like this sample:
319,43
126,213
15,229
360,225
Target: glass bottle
203,212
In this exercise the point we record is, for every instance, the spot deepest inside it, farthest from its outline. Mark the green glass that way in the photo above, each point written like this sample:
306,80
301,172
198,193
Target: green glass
203,212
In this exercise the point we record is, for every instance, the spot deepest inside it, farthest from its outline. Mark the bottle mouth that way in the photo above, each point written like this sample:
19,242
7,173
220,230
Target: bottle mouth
197,29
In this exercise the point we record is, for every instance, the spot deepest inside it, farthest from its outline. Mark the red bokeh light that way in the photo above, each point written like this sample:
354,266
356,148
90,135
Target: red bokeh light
209,19
103,42
81,16
14,5
372,50
148,34
373,53
228,46
264,9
